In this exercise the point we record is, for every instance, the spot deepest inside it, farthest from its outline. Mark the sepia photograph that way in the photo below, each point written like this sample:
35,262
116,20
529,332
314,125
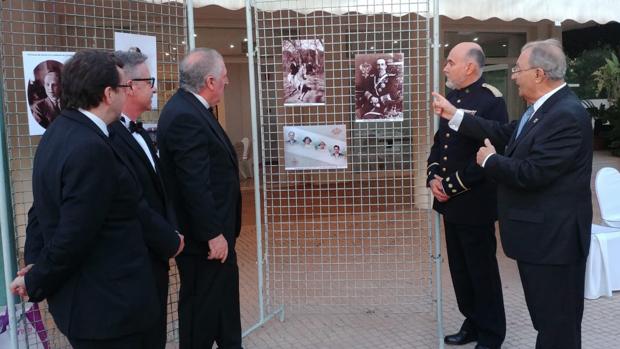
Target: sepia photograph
315,147
379,87
304,72
42,78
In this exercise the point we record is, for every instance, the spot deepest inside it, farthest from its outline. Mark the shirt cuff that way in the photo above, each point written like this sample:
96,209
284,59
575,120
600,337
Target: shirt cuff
485,159
456,120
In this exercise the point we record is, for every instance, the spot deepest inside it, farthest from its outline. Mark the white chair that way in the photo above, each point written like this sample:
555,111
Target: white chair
245,165
603,265
607,184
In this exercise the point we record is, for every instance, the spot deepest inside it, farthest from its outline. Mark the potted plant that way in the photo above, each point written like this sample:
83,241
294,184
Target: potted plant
607,78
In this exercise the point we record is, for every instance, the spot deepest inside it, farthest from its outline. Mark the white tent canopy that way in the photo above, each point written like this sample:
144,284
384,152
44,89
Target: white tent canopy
600,11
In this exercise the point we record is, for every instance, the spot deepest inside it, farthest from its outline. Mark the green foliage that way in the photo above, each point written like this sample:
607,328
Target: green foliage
581,68
607,78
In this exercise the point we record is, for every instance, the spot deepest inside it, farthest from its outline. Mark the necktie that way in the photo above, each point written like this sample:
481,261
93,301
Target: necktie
526,116
135,126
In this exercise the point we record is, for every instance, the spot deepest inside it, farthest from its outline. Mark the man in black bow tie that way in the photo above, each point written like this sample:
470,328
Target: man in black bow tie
131,140
200,165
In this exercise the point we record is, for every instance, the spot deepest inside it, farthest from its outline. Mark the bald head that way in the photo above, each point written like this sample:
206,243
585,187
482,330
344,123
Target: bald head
464,65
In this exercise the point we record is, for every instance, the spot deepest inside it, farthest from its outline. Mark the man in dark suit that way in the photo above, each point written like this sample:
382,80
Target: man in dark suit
200,167
467,200
130,139
90,261
544,198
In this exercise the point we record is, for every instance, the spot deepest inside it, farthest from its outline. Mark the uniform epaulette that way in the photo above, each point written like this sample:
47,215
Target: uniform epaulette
493,89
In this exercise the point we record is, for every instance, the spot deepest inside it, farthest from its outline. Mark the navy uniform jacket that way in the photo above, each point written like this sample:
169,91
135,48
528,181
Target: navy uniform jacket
473,198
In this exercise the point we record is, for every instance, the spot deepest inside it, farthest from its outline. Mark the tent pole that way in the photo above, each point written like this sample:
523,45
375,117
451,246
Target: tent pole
436,225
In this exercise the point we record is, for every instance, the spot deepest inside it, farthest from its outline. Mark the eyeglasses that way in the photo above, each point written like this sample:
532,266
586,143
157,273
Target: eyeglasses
122,85
151,80
516,70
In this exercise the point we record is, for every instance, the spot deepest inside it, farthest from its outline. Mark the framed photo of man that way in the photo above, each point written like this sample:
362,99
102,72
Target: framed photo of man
303,63
42,83
379,87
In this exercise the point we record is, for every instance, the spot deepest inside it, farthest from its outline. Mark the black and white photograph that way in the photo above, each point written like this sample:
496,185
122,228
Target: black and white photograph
379,87
315,147
42,78
303,64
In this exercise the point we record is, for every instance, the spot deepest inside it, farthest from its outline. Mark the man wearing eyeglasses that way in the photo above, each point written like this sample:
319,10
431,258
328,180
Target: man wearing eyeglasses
84,241
130,139
467,200
544,197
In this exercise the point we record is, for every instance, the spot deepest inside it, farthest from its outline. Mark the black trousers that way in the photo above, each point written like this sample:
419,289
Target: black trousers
155,337
477,284
209,303
134,341
554,297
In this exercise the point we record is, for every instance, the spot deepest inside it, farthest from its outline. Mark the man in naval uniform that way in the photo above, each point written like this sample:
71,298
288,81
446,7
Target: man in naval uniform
379,93
468,203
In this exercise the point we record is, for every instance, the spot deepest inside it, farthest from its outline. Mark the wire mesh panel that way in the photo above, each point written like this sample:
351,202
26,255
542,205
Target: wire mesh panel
69,26
347,229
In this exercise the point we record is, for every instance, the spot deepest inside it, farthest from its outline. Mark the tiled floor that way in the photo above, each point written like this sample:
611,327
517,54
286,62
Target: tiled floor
401,329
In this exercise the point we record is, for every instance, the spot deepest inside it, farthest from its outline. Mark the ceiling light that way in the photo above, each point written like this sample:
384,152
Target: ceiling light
245,39
231,46
476,38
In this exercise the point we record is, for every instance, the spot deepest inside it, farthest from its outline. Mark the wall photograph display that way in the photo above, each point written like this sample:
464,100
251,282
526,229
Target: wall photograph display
303,63
315,147
379,87
42,77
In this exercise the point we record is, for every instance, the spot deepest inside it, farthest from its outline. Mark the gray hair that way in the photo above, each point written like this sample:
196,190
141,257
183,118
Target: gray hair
198,64
131,59
549,56
477,55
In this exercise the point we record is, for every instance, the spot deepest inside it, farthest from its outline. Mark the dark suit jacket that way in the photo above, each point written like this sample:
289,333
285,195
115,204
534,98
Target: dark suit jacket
544,196
90,261
200,167
160,236
473,197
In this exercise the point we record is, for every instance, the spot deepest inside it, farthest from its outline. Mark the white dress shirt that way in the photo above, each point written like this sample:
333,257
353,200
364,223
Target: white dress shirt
125,121
97,120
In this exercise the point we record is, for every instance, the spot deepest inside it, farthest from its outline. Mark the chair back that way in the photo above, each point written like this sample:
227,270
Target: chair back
246,147
607,186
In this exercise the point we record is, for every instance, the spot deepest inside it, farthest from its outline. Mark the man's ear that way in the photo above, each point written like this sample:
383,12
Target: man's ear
107,95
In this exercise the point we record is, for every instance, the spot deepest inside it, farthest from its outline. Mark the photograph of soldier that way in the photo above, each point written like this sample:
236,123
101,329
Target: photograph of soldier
379,87
304,74
44,92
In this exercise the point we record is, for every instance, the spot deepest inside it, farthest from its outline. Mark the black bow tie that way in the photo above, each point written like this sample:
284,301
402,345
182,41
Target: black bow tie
135,126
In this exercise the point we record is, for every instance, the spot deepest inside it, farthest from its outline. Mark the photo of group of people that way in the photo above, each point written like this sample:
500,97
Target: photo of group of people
315,147
304,74
42,78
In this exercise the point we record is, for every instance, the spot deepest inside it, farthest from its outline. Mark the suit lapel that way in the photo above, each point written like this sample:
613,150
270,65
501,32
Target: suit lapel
536,118
213,124
126,137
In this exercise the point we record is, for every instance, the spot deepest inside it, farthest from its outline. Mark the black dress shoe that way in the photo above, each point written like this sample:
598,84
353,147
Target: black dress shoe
462,337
